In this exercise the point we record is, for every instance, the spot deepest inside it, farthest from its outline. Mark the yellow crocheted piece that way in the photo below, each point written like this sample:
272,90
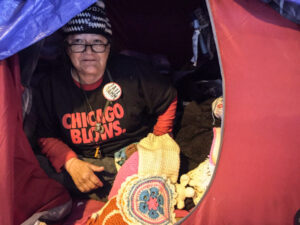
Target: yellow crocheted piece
158,155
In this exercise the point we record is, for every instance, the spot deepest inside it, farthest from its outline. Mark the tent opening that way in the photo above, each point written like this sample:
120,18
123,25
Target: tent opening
179,45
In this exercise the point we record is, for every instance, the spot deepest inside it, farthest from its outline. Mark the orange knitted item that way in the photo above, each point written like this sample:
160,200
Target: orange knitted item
108,215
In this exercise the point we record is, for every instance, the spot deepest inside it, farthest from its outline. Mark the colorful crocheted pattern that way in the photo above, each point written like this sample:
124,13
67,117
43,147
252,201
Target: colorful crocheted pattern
108,215
147,200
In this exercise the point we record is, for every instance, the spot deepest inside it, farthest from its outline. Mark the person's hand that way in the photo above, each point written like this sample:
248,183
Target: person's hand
83,174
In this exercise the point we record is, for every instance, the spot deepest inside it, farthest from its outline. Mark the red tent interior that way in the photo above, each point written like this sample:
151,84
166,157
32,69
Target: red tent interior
257,179
25,188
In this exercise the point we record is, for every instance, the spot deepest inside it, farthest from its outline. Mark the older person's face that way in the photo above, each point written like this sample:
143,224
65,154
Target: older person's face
88,62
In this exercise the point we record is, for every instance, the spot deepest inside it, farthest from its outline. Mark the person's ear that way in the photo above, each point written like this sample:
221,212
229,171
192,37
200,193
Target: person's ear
111,49
66,47
67,50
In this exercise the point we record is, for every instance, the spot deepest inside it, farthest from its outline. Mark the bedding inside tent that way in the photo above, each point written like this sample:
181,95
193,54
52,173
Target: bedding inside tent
255,45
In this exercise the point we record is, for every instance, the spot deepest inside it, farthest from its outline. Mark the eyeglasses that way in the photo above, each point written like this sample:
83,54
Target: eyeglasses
79,48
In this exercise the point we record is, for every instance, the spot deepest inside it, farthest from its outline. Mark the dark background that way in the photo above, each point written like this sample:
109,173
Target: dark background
154,27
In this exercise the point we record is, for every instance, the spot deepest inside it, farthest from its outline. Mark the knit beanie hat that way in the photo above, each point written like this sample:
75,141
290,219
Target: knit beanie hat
93,20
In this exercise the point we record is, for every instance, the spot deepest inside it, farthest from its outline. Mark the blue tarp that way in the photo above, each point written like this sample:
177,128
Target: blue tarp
24,22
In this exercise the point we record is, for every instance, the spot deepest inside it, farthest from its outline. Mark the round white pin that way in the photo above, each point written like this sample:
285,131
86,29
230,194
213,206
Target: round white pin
112,91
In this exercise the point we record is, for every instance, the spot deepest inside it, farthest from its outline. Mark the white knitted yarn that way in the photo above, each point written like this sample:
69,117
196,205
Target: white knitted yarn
158,156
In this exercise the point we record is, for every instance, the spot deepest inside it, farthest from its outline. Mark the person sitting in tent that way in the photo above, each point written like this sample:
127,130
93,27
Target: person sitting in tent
96,105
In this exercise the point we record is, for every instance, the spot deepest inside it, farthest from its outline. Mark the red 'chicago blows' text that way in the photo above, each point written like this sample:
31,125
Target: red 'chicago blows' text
82,124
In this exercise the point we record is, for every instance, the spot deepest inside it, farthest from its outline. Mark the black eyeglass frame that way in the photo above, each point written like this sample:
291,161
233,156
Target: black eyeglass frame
86,45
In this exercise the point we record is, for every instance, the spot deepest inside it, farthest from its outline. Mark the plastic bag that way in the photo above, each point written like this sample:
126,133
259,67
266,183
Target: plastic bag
290,9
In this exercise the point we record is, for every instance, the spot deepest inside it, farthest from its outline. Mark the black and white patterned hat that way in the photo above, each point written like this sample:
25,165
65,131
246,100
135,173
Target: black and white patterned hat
92,20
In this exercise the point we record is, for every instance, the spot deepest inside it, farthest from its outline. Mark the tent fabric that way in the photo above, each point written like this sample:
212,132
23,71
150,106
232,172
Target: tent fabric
22,23
25,189
82,210
257,178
